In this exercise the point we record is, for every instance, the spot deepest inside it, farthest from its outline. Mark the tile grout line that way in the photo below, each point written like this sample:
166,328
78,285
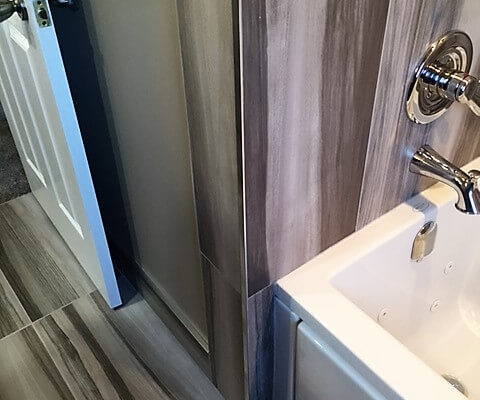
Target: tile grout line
47,315
62,307
18,330
9,285
19,303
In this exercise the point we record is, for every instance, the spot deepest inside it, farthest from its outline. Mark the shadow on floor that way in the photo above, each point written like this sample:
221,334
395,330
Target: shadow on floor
13,182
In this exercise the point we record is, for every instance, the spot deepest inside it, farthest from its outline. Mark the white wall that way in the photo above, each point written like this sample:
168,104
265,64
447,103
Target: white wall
137,56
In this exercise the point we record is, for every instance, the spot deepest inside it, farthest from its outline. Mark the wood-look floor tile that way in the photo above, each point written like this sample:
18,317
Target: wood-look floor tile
12,315
126,353
149,338
92,358
27,371
36,262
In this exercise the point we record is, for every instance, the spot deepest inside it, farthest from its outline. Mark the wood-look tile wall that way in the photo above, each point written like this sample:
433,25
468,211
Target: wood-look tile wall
393,138
326,144
327,140
306,125
207,42
209,36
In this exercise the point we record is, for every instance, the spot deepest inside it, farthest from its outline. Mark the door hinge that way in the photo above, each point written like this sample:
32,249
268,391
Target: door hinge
41,13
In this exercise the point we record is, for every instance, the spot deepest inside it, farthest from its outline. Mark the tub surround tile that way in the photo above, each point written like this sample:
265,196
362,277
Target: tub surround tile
207,43
327,140
209,40
224,307
307,119
35,261
312,69
261,342
393,137
256,140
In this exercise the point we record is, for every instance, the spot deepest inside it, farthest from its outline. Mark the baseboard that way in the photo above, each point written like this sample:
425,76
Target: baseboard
152,295
177,311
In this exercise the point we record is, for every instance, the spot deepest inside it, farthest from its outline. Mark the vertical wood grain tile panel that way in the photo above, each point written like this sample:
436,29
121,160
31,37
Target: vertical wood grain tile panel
224,307
311,69
207,42
260,339
256,137
393,138
327,140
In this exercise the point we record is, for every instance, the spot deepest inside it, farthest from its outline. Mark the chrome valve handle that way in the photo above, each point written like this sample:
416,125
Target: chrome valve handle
452,85
469,93
442,78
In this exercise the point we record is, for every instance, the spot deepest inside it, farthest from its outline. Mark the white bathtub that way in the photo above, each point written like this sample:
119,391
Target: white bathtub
373,318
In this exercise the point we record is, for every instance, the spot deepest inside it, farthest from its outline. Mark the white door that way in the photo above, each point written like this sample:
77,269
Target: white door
39,108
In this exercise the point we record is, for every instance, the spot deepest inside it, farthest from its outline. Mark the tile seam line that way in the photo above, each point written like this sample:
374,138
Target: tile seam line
47,315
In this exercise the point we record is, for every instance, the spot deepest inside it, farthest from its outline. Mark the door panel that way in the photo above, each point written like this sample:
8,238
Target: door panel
40,111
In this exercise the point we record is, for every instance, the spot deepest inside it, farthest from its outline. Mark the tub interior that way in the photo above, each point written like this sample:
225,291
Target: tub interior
431,306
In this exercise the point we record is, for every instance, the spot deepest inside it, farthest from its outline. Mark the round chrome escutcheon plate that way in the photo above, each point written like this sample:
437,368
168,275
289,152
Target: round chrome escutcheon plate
454,51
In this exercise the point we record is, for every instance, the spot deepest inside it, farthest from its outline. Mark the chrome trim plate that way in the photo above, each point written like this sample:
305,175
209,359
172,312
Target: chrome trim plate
454,51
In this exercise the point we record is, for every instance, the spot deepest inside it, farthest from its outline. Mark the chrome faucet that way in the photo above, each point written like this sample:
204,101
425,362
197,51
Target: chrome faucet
428,162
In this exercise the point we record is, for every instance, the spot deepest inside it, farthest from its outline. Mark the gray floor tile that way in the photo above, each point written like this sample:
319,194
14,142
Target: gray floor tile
35,261
92,358
27,371
78,348
127,353
156,345
12,314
